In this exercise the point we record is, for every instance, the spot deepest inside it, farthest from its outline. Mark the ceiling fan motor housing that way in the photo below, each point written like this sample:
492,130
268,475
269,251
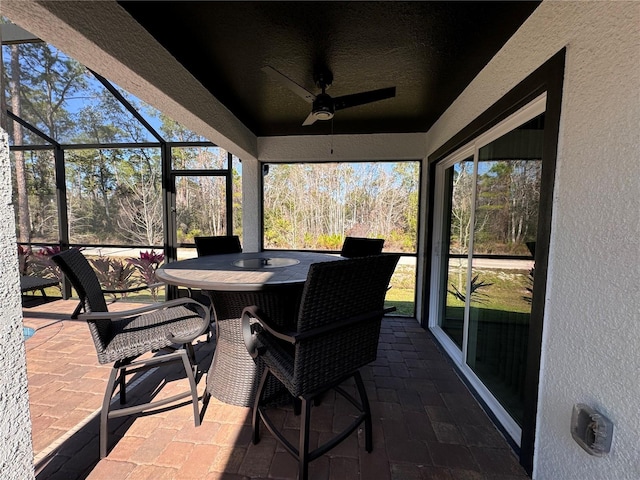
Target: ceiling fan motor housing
323,107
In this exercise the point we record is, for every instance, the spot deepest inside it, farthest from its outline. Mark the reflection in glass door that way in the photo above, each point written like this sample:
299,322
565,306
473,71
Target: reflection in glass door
506,219
487,203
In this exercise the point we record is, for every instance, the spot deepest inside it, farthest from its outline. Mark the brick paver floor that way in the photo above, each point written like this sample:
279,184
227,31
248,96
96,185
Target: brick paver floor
426,424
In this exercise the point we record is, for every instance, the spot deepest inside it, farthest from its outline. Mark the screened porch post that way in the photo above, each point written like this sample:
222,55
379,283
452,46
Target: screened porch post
251,205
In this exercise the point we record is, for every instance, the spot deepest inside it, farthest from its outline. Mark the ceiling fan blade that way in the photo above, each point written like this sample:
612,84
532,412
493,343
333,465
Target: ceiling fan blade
309,120
290,84
355,99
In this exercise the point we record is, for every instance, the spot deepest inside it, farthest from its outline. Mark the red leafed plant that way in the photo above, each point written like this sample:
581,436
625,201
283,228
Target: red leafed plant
24,257
37,261
147,264
114,274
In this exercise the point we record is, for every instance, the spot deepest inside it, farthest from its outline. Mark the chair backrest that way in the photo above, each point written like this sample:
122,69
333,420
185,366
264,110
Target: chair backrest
361,247
83,278
85,281
335,292
217,245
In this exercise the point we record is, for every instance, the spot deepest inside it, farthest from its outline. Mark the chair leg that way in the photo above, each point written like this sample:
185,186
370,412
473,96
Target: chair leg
255,421
368,440
190,353
303,448
104,414
188,368
118,376
123,386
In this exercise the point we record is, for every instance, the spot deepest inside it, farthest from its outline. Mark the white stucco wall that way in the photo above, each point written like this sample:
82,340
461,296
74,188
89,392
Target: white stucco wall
16,453
342,148
251,201
591,346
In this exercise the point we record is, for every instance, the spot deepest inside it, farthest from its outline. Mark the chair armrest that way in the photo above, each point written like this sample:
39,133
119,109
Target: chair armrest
153,307
140,310
135,311
253,314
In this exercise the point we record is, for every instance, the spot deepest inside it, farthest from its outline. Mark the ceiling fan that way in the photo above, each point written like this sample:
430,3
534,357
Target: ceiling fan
324,106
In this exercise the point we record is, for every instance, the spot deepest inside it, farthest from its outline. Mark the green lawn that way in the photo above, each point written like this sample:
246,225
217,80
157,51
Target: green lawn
508,291
403,299
402,292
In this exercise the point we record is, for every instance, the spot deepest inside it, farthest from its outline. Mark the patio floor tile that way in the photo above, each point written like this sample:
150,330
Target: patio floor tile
426,424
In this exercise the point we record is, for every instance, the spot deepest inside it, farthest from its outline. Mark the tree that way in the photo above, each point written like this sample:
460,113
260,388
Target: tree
462,188
113,194
315,205
139,197
49,81
39,165
24,220
40,83
507,205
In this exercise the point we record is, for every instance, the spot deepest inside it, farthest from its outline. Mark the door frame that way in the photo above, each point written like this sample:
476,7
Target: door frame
169,179
460,356
547,78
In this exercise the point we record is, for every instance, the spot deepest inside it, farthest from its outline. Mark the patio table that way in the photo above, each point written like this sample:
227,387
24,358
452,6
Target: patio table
272,280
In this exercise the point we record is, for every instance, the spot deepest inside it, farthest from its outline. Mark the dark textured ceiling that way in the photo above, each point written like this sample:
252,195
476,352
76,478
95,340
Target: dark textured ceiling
430,51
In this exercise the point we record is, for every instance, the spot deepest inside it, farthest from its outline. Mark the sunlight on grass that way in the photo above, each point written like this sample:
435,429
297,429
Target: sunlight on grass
402,292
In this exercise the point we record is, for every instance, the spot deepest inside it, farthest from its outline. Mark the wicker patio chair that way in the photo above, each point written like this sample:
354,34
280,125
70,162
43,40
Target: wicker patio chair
337,332
361,247
217,245
122,337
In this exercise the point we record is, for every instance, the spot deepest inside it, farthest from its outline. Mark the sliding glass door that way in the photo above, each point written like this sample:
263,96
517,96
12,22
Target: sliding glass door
457,184
485,225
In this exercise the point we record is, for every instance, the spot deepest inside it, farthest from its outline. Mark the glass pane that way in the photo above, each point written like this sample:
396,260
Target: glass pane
199,158
169,130
35,206
506,217
237,196
63,100
184,253
201,207
21,136
401,293
455,248
314,206
115,196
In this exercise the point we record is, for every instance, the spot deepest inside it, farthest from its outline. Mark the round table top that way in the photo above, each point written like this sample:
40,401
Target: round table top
242,271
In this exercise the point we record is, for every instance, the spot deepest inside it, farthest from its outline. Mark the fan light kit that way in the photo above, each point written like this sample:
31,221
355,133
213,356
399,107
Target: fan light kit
323,107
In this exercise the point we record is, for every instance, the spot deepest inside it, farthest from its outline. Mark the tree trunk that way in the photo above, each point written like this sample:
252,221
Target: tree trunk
24,220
